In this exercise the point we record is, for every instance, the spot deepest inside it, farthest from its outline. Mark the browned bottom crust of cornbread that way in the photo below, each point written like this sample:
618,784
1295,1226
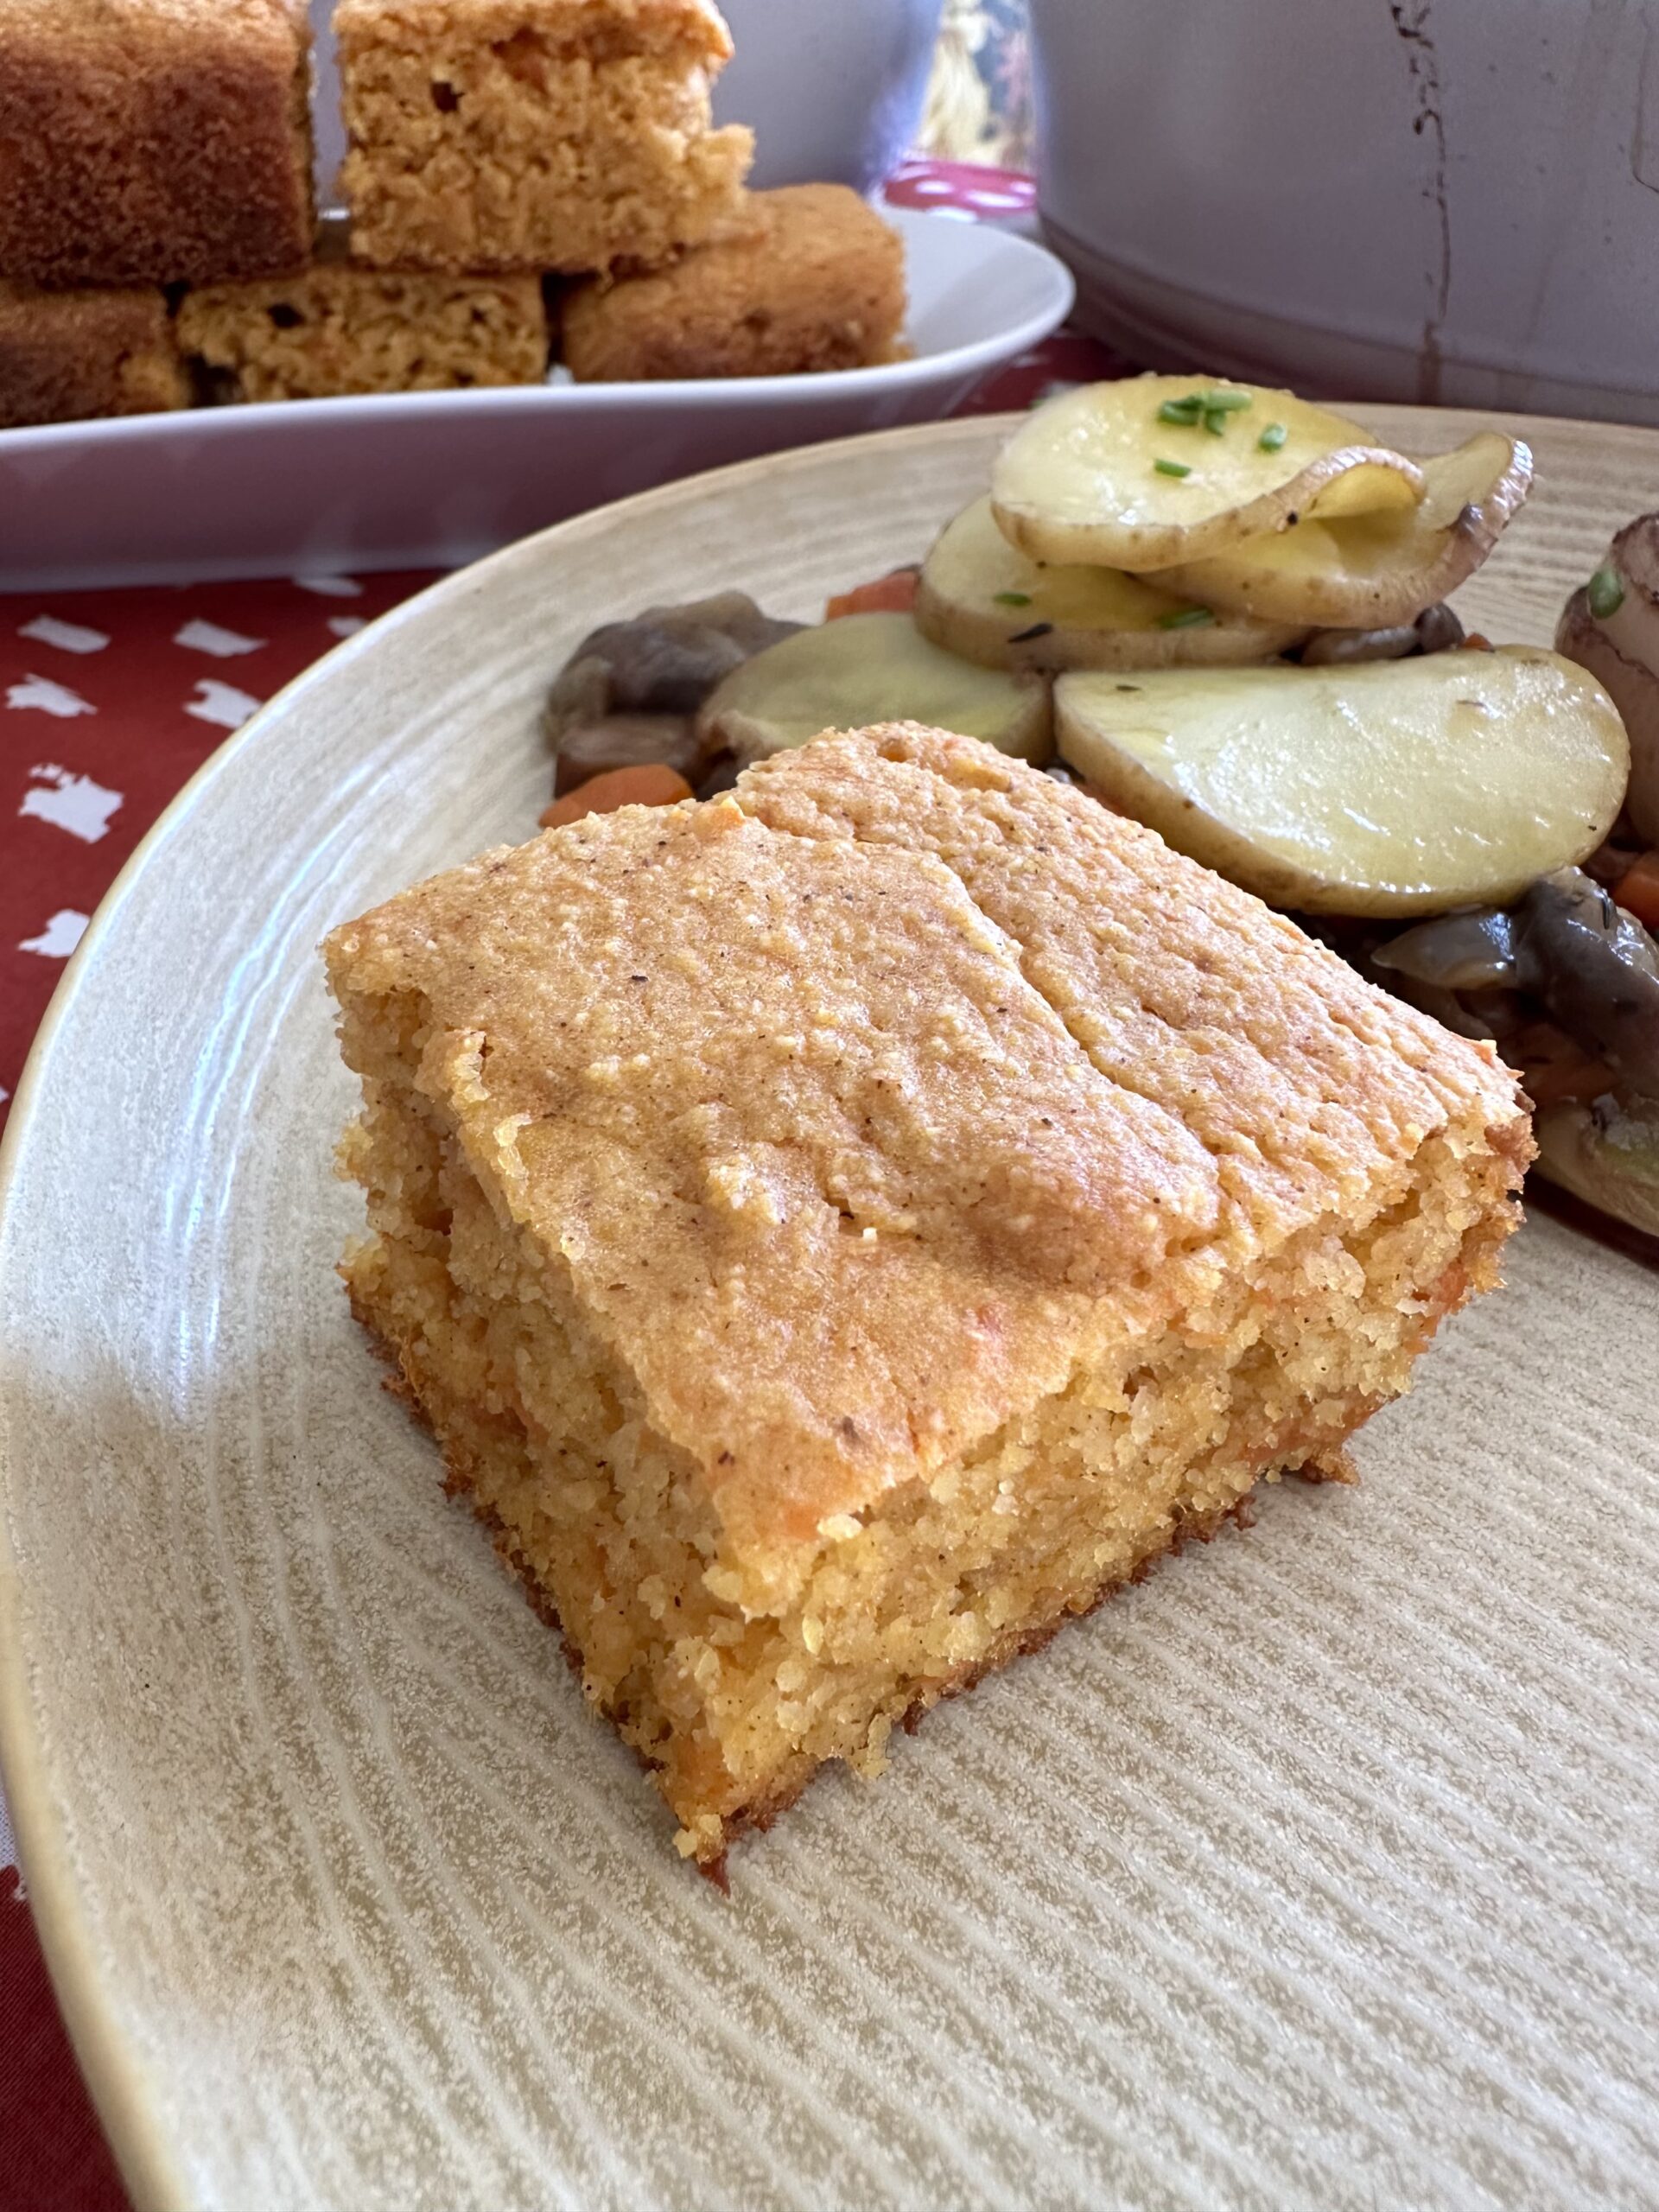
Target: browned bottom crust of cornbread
817,283
68,356
838,1232
155,141
563,135
335,329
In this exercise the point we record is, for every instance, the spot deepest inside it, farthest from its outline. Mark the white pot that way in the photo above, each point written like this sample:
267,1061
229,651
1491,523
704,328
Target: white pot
833,89
1454,203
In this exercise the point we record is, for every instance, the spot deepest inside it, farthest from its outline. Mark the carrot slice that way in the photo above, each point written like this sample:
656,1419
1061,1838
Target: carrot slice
894,594
651,784
1637,890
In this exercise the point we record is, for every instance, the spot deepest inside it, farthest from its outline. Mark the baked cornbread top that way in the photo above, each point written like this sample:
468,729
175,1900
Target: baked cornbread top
800,1109
1309,1089
691,31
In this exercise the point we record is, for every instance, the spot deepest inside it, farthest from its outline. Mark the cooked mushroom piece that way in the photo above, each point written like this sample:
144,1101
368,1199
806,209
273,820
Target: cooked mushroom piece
1435,630
1595,970
628,695
593,748
1610,627
1473,951
1607,1154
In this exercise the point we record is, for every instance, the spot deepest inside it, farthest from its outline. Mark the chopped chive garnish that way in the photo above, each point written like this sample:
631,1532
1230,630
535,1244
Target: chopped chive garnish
1273,437
1227,403
1012,598
1215,421
1181,410
1606,593
1186,618
1172,468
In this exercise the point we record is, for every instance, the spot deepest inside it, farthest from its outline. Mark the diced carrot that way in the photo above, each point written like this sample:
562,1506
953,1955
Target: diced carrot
890,595
652,785
1637,890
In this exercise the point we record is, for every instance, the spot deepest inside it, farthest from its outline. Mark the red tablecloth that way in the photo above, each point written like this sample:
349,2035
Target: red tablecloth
111,700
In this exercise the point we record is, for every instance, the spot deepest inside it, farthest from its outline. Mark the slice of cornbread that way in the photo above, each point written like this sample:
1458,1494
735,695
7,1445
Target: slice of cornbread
840,1230
65,356
534,134
817,281
154,141
336,328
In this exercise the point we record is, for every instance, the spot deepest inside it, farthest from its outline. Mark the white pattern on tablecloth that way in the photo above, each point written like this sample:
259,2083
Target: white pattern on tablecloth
67,636
199,636
48,698
220,703
59,936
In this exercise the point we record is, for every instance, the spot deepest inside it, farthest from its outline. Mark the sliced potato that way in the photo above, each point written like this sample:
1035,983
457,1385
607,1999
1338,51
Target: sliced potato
982,598
1369,571
1099,476
1396,787
873,668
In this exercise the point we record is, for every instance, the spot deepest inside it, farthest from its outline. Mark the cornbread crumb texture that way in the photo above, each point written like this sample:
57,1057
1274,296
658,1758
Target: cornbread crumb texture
817,282
534,134
66,355
153,140
335,329
838,1232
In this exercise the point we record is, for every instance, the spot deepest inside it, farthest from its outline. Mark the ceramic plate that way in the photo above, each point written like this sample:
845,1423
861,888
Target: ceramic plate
1315,1875
431,479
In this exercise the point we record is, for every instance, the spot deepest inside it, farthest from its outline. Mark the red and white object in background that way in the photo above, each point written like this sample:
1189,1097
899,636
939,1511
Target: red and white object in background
110,701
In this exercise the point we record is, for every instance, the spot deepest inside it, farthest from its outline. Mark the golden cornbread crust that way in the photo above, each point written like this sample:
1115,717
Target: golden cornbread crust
816,282
335,329
67,355
155,141
563,135
839,1233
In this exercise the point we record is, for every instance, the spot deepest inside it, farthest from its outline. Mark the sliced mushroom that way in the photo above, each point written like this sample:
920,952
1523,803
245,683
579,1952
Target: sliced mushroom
629,694
1435,630
1595,970
1607,1154
593,748
665,661
1473,951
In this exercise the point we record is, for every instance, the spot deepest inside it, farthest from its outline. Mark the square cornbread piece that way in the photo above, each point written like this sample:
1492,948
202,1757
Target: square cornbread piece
841,1230
560,135
68,356
153,141
816,282
336,328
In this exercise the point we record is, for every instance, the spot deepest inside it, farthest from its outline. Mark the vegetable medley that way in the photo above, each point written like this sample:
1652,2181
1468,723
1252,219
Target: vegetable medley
1222,611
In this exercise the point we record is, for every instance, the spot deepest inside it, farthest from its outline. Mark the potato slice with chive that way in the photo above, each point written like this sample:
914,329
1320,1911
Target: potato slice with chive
1369,571
873,668
1395,787
982,598
1151,470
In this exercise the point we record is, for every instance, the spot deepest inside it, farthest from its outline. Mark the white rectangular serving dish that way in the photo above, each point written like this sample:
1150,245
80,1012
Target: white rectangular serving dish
415,480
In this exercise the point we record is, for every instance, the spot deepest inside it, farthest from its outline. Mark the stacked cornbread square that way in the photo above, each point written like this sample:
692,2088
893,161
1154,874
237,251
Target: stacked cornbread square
153,141
561,135
332,329
142,143
816,280
839,1231
158,246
